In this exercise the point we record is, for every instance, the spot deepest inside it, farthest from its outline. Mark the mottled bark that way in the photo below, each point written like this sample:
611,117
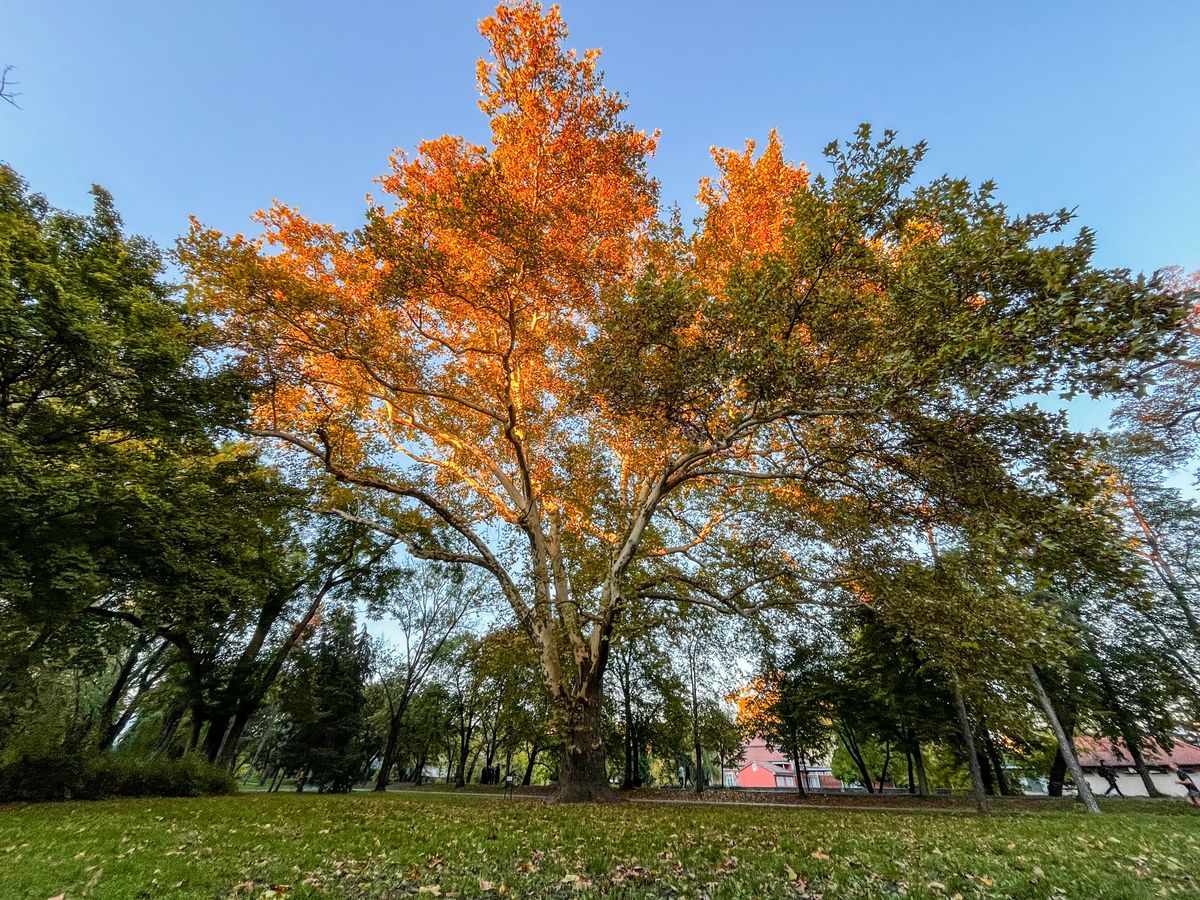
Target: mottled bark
583,775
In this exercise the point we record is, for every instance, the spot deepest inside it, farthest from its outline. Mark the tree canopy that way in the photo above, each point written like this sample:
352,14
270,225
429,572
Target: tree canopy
530,368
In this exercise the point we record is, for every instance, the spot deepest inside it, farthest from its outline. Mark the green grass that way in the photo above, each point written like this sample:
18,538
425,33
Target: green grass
426,844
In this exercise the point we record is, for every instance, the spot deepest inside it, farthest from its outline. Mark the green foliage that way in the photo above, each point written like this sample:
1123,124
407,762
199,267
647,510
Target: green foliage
845,768
324,700
100,390
797,721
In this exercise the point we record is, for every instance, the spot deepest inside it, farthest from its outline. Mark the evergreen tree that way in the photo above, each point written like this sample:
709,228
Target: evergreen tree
324,699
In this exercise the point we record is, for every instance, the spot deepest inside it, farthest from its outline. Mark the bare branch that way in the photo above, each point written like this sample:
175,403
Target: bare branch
6,87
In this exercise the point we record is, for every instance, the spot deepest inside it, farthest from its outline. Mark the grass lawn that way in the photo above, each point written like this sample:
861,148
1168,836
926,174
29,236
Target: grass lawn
431,844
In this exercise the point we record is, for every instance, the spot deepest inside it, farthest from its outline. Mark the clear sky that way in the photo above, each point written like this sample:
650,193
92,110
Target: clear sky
217,107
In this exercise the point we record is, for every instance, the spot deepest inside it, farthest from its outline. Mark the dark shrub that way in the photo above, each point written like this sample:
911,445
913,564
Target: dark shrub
59,775
45,775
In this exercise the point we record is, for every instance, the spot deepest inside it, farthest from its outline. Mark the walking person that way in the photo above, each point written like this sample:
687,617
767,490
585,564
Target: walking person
1109,774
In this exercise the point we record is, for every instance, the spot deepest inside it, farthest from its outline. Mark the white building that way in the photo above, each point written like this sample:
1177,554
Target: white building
1096,751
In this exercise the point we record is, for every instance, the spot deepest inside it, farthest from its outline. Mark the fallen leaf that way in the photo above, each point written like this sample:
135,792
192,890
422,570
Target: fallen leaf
93,881
817,854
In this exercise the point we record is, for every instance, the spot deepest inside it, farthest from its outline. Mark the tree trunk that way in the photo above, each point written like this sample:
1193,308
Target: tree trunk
699,775
268,730
149,671
196,729
985,771
851,745
799,777
106,734
1065,745
227,752
968,736
887,759
471,767
389,754
1139,762
919,764
419,772
1058,774
627,779
996,760
533,755
170,725
583,775
912,787
214,737
1129,731
463,777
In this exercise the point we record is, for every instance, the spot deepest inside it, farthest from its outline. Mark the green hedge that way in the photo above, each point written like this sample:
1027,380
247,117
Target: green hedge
60,775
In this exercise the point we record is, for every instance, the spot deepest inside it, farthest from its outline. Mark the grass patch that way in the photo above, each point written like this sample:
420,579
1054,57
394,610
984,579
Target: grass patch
429,844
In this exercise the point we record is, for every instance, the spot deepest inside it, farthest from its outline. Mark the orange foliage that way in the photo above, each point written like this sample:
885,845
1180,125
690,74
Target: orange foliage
438,354
754,703
748,208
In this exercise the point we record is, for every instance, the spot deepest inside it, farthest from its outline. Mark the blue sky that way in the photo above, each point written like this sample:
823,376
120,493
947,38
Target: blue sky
217,107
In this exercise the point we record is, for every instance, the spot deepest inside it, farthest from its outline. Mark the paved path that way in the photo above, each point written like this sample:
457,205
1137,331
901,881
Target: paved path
727,803
830,806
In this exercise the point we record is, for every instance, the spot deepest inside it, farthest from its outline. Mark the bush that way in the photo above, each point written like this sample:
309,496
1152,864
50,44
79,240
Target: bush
59,775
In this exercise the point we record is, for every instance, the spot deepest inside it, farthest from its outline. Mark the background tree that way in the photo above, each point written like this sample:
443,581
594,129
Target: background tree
102,404
429,606
324,701
705,648
788,706
643,685
1167,408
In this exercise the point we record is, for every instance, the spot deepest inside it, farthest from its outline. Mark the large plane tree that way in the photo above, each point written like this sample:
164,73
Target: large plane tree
519,362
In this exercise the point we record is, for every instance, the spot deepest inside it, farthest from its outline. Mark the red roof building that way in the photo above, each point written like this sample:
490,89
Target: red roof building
1093,751
764,768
